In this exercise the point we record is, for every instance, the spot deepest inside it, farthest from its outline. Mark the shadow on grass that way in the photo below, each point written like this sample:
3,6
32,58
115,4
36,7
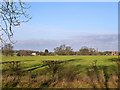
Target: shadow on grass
39,65
9,62
14,61
36,68
28,60
42,65
114,59
72,60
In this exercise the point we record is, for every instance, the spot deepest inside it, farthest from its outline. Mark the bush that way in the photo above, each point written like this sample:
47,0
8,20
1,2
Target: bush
53,66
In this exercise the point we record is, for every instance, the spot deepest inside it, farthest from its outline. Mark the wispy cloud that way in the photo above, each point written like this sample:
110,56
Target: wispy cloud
102,42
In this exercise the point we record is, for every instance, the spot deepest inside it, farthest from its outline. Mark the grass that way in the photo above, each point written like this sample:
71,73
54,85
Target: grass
34,61
76,63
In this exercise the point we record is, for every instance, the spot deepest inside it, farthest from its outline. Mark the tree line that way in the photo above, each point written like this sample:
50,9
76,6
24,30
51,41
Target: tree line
7,50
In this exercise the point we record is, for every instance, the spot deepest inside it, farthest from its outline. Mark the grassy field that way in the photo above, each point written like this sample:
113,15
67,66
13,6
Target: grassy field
35,61
33,64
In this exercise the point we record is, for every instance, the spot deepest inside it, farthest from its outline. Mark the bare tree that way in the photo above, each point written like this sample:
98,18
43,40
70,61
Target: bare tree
84,50
63,50
12,14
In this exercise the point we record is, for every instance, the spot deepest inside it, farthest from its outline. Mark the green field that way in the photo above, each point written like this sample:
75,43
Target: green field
34,63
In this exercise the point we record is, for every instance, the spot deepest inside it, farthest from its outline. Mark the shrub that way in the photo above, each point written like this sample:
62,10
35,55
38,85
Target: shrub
53,66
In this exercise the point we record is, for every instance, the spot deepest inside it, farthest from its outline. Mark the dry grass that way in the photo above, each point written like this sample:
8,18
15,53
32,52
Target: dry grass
85,82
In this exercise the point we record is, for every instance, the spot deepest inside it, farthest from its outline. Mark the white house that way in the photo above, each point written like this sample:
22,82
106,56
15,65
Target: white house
34,54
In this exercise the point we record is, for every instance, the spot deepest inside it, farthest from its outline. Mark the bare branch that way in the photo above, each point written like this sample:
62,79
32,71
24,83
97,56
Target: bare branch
13,14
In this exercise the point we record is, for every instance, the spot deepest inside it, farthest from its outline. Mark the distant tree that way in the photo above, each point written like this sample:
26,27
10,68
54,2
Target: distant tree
76,53
60,50
37,53
101,53
46,52
63,50
24,53
51,53
41,53
92,51
84,51
68,50
84,47
8,50
21,53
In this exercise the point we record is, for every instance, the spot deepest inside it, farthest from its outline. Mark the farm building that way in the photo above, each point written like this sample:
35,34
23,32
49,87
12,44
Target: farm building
114,53
34,54
111,53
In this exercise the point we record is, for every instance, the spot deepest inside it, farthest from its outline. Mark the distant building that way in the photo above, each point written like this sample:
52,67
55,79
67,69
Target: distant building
111,53
114,53
34,54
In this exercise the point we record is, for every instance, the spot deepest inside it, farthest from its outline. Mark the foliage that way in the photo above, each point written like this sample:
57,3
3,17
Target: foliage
46,51
7,50
53,66
63,50
37,53
84,52
15,67
24,53
88,51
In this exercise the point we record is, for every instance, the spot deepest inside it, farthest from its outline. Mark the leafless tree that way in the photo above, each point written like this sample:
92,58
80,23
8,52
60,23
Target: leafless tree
12,14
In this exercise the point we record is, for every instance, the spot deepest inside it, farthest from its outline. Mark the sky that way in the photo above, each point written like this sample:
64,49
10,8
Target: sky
76,24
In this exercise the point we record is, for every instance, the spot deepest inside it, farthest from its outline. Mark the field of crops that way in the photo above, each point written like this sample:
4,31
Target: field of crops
34,64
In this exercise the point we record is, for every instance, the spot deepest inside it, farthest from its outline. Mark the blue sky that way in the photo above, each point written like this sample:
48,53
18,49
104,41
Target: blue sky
75,24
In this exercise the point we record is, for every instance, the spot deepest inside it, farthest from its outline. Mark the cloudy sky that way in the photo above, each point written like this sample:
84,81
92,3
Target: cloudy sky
93,24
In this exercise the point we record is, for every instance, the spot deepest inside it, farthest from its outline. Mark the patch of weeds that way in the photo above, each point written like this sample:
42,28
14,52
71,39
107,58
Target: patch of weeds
11,84
70,73
33,76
